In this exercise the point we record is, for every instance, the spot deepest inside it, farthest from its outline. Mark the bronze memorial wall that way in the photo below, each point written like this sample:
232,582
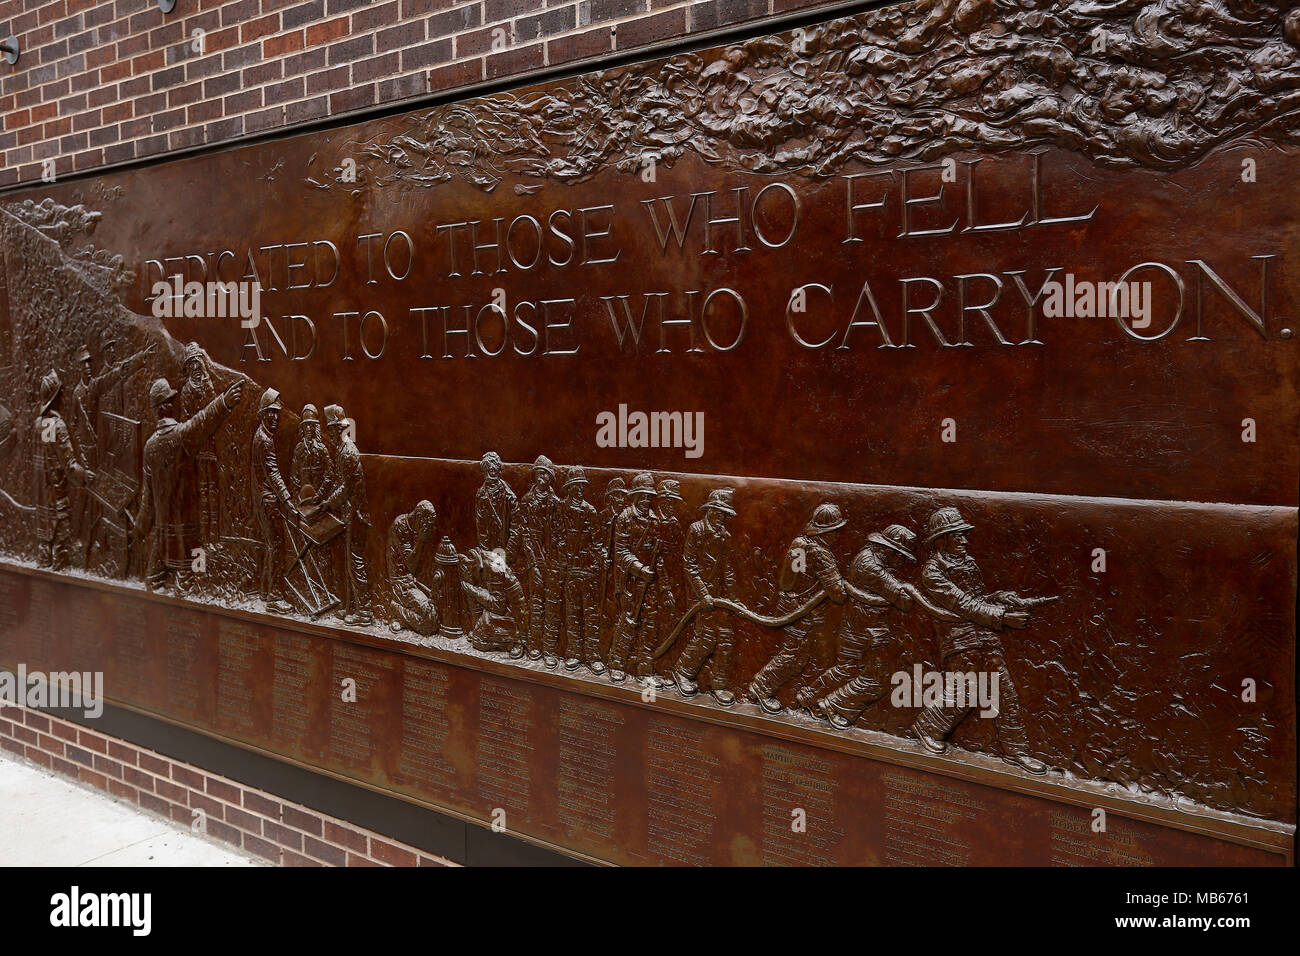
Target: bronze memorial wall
875,443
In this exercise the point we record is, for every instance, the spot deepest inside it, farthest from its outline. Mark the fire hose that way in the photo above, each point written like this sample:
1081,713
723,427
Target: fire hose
803,610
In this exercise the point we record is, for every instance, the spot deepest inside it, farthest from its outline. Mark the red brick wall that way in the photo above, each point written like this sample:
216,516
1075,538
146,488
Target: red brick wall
101,82
257,822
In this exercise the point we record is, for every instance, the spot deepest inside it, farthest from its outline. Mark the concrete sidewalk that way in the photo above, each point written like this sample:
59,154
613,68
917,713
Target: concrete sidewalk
46,820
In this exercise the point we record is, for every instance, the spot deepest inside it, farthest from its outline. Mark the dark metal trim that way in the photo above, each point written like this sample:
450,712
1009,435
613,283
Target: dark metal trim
422,826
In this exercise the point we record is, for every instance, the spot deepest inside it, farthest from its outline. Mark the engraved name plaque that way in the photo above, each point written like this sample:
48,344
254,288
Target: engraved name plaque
871,444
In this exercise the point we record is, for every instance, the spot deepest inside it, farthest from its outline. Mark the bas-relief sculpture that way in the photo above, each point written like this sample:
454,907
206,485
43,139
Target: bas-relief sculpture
1124,83
798,601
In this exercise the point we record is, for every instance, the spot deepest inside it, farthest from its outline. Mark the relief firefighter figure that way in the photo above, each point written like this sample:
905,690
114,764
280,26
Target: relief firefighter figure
275,506
344,496
670,507
497,605
856,679
408,538
809,575
58,465
711,574
536,545
638,559
496,599
495,507
969,641
196,392
607,602
167,499
580,564
312,466
88,398
88,394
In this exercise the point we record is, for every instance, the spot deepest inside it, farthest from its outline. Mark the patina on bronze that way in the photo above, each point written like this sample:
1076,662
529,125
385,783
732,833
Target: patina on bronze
660,450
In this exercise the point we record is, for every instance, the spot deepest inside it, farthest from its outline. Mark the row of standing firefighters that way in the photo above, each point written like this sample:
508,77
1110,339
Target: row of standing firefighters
550,577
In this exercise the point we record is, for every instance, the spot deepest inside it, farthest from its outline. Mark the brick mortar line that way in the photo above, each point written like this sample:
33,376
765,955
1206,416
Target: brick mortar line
135,806
612,24
543,42
172,764
812,9
369,835
186,37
